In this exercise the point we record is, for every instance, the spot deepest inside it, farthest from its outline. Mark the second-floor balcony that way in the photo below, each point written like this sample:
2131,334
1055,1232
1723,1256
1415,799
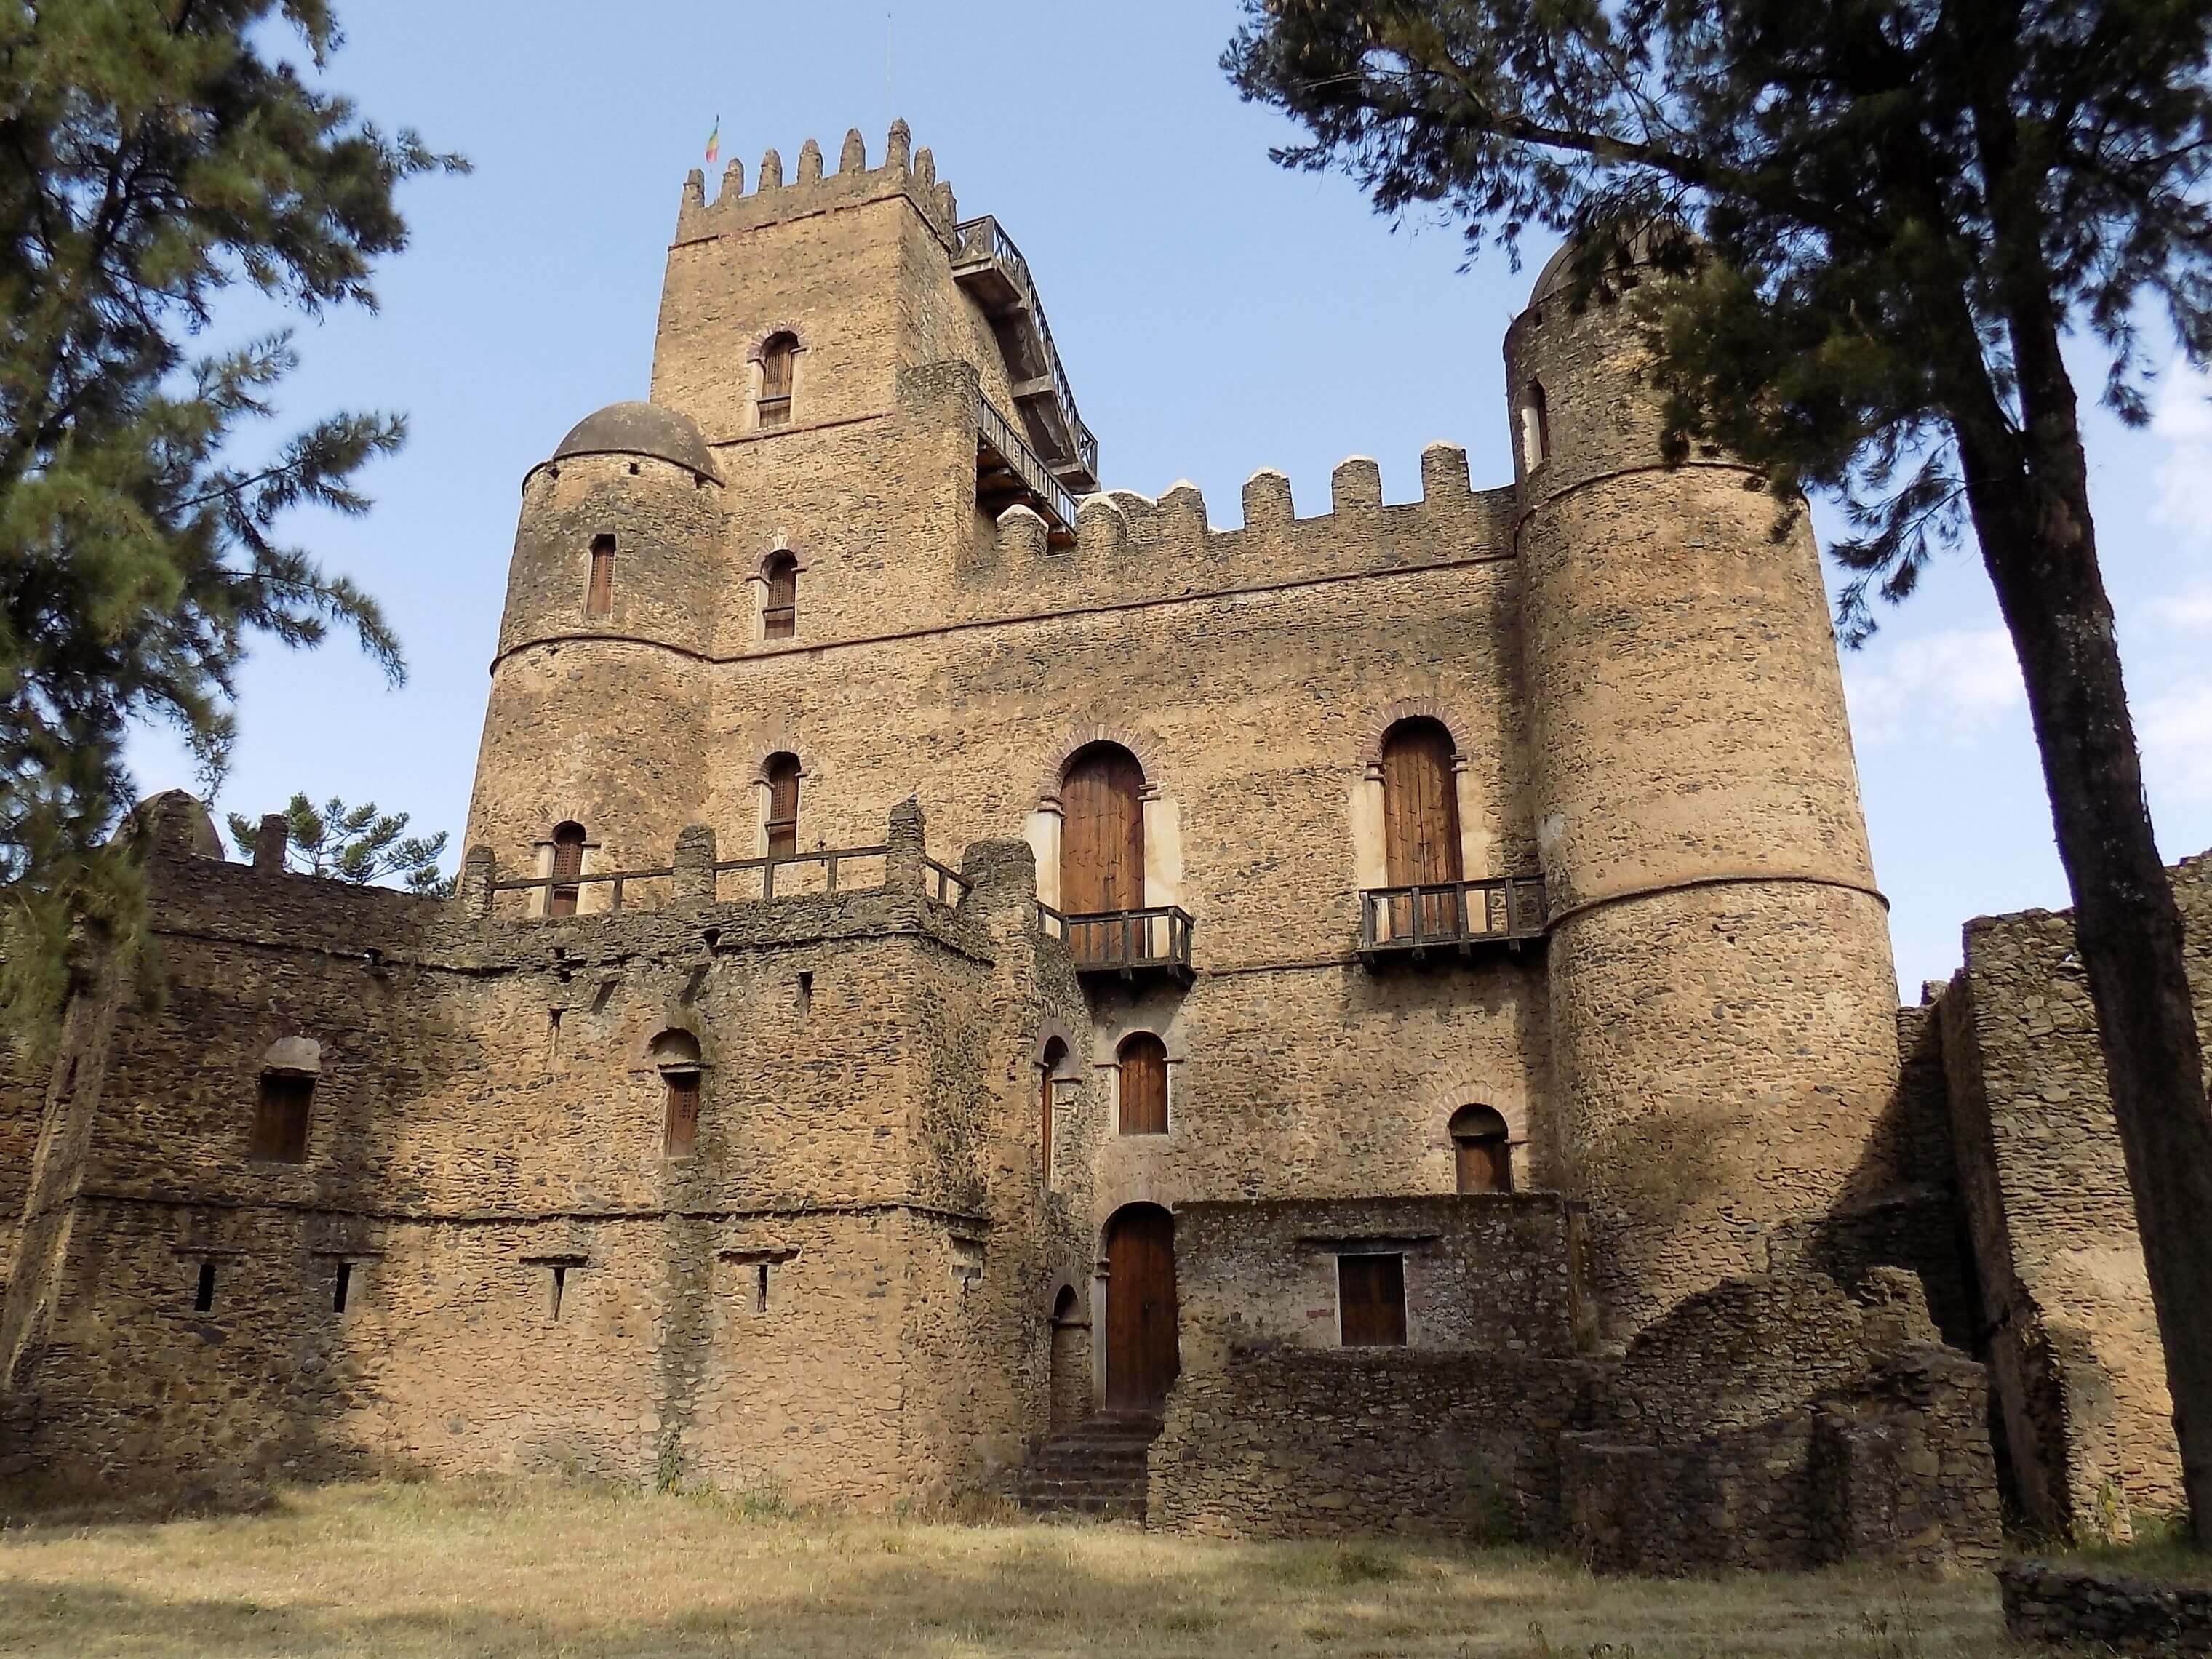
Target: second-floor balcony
1451,917
1128,943
990,267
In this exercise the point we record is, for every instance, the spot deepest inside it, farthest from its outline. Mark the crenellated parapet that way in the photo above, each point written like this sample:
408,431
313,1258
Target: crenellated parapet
1129,546
812,190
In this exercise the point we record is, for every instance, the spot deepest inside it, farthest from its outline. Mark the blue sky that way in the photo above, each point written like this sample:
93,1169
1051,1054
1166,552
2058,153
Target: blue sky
1216,315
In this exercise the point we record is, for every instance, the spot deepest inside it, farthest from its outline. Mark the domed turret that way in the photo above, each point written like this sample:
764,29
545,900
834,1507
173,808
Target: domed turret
613,595
1722,995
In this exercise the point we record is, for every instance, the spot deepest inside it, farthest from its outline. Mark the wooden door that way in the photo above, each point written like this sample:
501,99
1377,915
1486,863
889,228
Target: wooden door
1141,1356
1102,846
1143,1060
783,806
1420,826
680,1131
568,864
1372,1300
1485,1165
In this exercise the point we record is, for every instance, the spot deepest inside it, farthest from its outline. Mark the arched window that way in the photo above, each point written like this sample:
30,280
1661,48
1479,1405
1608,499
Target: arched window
781,777
777,357
568,864
1481,1154
1420,826
1536,428
600,597
677,1056
280,1117
779,616
1143,1060
1056,1053
1101,848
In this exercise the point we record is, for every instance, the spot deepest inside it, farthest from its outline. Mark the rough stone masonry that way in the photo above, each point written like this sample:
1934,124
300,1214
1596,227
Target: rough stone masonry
1394,998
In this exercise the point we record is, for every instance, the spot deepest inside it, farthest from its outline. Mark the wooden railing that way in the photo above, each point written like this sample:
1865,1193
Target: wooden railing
985,238
1122,941
996,434
792,872
1504,909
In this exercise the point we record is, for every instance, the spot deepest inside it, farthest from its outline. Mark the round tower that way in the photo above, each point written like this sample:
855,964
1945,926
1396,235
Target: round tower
597,715
1723,1000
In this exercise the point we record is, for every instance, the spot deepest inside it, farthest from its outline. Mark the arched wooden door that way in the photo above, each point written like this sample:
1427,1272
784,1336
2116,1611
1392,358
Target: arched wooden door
1102,846
1420,826
1141,1356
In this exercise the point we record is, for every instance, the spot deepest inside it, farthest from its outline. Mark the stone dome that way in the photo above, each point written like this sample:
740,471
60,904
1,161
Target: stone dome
1558,274
636,428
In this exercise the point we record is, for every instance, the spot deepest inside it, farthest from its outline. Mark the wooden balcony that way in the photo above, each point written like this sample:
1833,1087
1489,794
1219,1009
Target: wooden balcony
991,268
1124,942
1451,917
1007,471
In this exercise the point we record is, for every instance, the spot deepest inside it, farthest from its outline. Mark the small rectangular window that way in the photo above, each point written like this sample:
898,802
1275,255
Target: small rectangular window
600,598
280,1118
760,1288
804,1001
203,1292
341,1284
1372,1300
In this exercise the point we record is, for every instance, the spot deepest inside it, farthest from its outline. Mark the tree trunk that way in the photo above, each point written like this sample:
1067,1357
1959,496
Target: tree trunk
2029,500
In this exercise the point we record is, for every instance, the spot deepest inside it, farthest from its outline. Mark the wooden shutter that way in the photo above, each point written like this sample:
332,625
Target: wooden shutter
1371,1300
599,599
1485,1164
568,864
1143,1085
280,1118
1102,832
783,806
682,1130
776,380
780,617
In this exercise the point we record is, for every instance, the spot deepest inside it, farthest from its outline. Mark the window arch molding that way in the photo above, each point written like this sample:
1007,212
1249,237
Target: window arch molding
1078,739
1054,1030
1454,720
758,350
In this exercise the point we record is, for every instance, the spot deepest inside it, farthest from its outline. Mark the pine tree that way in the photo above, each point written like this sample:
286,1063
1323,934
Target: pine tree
1885,217
357,844
153,159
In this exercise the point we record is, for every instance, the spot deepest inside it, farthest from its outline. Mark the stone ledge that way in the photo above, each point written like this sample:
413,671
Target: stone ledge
2045,1601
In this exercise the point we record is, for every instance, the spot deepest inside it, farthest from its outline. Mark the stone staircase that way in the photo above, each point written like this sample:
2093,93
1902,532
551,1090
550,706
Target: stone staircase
1094,1468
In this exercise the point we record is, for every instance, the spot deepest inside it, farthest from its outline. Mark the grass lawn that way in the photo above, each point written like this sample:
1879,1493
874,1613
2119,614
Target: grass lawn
500,1568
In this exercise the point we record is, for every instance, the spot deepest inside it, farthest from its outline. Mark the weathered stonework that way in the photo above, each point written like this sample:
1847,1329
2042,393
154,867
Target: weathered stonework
674,1178
2108,1611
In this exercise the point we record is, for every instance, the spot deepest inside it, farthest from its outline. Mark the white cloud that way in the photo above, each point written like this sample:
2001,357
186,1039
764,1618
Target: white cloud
2174,731
1956,684
2181,419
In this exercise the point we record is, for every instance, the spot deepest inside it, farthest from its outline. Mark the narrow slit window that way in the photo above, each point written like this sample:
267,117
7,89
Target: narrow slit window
804,1001
568,864
341,1286
554,1292
280,1118
1056,1054
781,777
779,613
553,1037
778,358
1535,427
600,597
760,1288
204,1291
1372,1300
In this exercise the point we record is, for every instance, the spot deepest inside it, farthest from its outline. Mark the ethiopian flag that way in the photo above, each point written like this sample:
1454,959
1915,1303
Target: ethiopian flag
714,142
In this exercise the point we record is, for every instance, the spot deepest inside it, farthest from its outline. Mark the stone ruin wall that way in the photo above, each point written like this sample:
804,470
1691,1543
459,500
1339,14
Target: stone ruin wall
2076,1364
869,1150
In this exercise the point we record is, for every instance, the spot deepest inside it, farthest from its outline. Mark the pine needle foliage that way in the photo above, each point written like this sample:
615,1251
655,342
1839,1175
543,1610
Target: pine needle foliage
154,158
359,844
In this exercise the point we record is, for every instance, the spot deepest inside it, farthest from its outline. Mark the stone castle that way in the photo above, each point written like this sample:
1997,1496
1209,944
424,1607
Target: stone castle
1377,1020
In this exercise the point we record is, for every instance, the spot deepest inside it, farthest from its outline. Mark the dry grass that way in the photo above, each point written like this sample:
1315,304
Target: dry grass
483,1569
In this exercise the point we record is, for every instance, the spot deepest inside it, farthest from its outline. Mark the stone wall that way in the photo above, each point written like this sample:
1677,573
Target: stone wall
2073,1344
841,1293
2113,1611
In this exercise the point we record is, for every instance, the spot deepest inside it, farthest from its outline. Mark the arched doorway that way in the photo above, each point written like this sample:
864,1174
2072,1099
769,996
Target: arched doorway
1141,1355
1101,848
1482,1156
1071,1360
1420,826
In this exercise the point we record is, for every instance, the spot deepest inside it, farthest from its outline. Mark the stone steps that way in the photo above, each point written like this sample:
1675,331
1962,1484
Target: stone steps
1095,1469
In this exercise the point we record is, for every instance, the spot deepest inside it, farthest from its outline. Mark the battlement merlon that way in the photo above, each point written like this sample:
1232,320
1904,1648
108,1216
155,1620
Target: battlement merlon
984,261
